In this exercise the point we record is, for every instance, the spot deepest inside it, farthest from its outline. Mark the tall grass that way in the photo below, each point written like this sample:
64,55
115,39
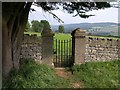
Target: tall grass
98,74
33,75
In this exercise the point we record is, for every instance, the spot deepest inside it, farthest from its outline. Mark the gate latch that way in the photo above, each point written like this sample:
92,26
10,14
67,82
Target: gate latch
54,51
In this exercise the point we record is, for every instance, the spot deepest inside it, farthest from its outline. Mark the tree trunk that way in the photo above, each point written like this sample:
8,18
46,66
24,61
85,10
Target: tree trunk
14,19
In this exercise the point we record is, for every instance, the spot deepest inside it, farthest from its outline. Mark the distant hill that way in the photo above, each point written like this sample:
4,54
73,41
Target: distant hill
105,28
86,26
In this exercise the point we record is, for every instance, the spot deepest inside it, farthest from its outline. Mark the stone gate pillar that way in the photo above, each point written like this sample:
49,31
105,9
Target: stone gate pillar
47,46
78,45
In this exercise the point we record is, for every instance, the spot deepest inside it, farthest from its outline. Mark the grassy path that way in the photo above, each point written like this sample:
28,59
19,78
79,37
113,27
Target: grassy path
68,76
92,75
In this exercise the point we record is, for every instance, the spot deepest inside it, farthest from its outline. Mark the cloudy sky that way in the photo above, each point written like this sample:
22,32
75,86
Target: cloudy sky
104,15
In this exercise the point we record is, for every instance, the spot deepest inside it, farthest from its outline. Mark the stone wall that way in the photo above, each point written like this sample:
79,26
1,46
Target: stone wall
101,49
97,49
31,47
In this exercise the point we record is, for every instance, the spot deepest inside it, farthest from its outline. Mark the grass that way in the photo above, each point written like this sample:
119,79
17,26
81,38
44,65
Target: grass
31,33
98,74
92,75
60,36
63,36
33,75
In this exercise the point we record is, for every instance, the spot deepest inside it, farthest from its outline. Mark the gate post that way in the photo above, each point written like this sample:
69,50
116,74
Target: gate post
78,45
47,46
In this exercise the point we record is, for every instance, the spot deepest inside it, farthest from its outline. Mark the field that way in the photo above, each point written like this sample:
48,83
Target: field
57,35
62,36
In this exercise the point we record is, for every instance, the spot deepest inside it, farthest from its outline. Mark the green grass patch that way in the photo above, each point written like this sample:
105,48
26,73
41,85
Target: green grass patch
33,75
62,36
98,74
32,33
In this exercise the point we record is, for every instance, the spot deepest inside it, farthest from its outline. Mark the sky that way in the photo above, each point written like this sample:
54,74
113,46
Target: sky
103,15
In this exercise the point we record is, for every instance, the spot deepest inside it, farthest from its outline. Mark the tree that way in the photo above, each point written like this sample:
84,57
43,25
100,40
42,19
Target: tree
36,26
14,19
27,28
41,27
61,29
46,27
46,24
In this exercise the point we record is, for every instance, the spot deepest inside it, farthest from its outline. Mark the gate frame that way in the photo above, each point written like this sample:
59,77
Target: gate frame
78,46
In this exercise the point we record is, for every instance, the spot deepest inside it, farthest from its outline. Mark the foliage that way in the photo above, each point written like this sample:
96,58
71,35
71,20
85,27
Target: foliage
37,26
79,7
46,24
33,75
98,74
27,29
61,29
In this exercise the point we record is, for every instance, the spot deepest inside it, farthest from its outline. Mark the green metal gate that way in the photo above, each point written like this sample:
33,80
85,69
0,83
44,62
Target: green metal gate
63,53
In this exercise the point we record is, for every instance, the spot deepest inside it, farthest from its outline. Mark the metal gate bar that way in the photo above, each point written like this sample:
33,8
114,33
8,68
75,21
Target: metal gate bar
63,53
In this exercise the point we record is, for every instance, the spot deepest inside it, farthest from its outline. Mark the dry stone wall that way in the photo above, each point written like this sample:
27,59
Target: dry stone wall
31,47
101,49
97,49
